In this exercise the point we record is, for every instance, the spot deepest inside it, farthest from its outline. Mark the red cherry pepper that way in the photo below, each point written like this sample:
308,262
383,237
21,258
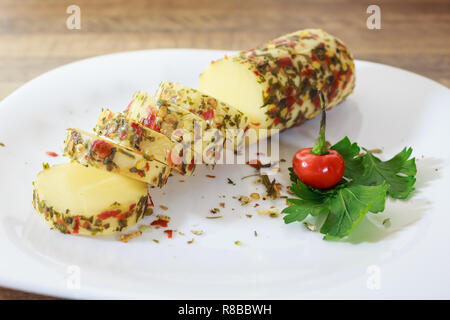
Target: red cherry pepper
319,167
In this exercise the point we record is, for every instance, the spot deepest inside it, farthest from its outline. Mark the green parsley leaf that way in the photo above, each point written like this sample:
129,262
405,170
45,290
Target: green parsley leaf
302,208
399,172
350,152
349,206
311,202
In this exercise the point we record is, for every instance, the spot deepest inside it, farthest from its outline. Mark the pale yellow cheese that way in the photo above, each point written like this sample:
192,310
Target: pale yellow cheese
83,200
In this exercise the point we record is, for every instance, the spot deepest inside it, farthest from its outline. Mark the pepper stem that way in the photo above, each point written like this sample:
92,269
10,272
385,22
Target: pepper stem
320,147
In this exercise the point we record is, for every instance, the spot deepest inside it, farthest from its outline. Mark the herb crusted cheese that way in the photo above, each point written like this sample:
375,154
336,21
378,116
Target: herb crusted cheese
153,144
276,84
80,200
91,150
223,116
178,124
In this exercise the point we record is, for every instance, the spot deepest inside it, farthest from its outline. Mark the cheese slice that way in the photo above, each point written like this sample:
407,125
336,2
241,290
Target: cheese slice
153,144
223,116
276,84
94,151
178,124
76,199
165,119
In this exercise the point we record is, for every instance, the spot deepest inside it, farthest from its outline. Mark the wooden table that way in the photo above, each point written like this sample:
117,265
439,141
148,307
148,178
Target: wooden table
414,35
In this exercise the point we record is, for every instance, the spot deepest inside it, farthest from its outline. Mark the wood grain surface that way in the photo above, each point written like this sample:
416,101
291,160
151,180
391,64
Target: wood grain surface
414,35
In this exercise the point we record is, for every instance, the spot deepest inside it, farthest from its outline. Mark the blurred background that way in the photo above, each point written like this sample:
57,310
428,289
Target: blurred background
34,37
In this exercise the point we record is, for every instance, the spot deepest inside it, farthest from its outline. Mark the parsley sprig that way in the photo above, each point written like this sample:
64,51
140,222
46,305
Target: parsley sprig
367,182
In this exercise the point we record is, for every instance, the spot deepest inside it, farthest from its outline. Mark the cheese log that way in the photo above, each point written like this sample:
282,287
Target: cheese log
276,84
80,200
176,123
153,144
223,115
91,150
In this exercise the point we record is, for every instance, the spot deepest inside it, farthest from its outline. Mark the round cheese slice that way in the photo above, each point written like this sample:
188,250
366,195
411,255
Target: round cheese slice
76,199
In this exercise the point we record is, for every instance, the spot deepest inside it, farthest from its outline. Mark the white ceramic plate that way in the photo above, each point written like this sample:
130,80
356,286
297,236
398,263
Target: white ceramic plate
389,109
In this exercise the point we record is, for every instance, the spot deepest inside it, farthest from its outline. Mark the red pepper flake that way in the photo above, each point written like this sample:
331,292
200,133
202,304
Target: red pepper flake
276,120
290,101
316,102
160,222
123,135
208,115
169,233
85,225
150,121
123,215
347,78
132,206
51,153
246,128
150,201
108,214
285,62
191,166
327,58
255,123
76,228
307,72
256,72
332,91
147,167
289,91
210,176
101,148
137,129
